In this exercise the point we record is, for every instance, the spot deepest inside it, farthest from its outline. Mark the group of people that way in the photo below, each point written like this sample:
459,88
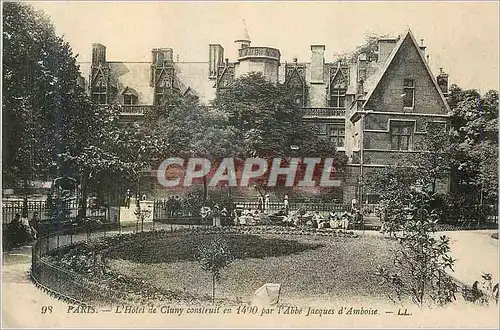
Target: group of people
264,203
20,230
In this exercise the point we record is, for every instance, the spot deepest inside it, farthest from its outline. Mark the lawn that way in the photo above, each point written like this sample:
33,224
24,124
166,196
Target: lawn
308,266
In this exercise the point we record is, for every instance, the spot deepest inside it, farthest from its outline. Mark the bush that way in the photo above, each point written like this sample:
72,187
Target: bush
457,210
420,263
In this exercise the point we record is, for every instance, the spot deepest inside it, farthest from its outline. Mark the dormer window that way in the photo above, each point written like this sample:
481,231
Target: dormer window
337,98
409,93
129,99
129,96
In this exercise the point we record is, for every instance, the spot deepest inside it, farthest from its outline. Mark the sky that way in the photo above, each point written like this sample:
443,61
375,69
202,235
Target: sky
461,37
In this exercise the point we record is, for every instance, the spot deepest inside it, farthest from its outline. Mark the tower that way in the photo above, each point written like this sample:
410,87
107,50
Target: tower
243,40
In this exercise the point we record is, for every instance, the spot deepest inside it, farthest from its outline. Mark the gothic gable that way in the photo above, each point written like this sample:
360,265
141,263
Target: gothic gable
406,71
339,78
225,76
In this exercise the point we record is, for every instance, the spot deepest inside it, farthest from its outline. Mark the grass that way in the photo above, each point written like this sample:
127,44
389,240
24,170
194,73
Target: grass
183,248
308,267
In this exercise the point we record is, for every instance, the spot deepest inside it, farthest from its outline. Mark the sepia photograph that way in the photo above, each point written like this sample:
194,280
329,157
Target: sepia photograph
262,164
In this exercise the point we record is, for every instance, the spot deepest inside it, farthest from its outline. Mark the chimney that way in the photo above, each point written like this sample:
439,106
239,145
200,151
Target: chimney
422,47
385,47
362,64
161,56
317,63
216,57
360,90
98,54
442,80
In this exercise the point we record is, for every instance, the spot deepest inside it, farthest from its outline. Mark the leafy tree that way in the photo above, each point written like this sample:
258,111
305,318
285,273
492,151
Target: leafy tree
421,260
474,167
394,185
269,123
44,108
435,160
213,257
188,129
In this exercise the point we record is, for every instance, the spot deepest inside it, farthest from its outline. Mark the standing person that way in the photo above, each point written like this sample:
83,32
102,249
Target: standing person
287,205
224,215
266,202
261,203
128,195
216,216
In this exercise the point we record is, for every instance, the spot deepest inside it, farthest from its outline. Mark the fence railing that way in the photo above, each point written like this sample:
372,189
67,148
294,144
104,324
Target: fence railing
70,285
135,109
323,112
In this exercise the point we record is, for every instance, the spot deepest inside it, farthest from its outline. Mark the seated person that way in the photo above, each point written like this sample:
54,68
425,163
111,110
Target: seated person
18,233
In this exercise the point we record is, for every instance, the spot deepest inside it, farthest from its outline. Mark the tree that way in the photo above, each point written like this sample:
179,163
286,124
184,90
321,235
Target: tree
269,123
51,128
421,261
188,129
213,257
435,159
44,108
394,185
474,168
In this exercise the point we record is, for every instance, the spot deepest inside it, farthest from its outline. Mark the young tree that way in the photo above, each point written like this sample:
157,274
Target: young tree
214,256
421,260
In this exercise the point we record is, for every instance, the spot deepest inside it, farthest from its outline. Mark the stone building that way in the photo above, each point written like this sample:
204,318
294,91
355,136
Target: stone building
374,106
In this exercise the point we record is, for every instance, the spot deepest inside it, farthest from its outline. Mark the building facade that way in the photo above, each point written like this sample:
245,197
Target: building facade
374,106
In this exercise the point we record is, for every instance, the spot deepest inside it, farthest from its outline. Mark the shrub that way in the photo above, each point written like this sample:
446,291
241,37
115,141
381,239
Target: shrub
420,262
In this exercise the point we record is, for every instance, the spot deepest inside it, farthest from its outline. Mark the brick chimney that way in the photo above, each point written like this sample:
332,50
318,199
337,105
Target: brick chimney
216,58
317,64
98,54
442,80
161,56
385,47
362,63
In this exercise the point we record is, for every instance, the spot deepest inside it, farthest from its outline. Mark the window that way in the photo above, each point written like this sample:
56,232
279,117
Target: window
337,98
408,93
336,135
129,99
99,94
362,74
401,135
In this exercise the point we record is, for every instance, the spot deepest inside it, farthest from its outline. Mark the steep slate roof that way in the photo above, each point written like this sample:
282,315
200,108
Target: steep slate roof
190,77
133,75
374,80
